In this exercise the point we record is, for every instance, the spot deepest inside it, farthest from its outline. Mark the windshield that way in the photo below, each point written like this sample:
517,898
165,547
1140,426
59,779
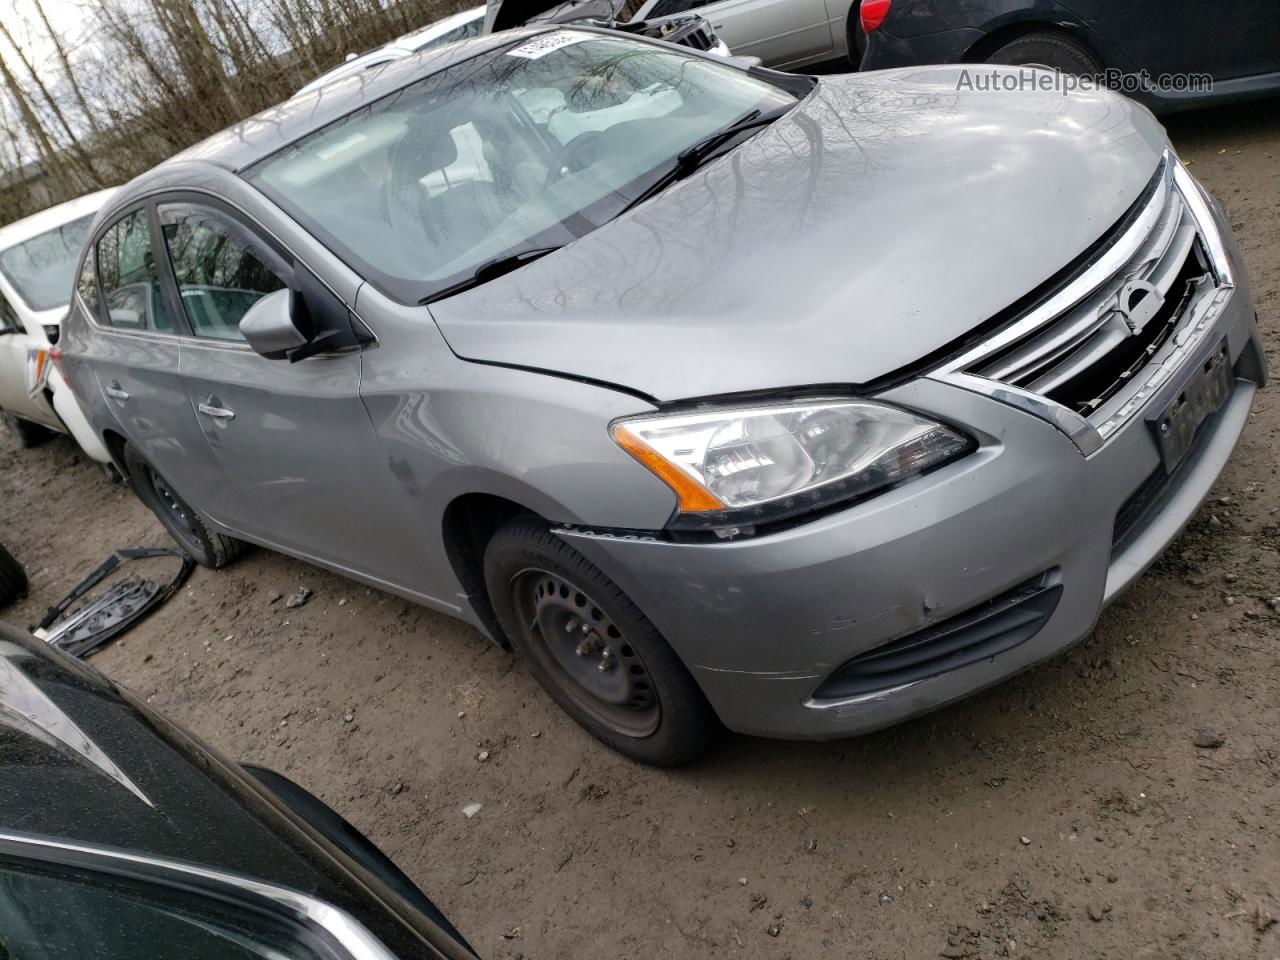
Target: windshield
527,147
41,269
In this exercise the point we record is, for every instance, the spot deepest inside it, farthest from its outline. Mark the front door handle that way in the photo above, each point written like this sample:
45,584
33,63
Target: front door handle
218,413
115,393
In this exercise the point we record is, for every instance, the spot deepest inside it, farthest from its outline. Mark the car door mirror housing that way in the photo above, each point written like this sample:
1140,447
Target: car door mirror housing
269,325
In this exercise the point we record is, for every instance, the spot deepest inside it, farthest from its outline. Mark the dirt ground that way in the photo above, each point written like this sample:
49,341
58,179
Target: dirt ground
1067,813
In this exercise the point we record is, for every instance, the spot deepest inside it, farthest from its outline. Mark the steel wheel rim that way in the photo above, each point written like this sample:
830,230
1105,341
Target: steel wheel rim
577,643
174,508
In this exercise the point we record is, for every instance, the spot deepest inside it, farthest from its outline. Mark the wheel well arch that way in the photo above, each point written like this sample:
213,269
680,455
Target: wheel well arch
853,34
469,523
115,444
1008,32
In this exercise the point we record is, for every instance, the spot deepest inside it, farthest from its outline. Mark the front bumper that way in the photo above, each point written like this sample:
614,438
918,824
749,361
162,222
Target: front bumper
762,622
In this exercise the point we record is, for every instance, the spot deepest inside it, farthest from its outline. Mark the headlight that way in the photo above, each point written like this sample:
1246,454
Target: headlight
1202,211
755,464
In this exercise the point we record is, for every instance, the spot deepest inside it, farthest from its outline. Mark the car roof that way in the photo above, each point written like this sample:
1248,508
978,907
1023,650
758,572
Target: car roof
53,217
251,140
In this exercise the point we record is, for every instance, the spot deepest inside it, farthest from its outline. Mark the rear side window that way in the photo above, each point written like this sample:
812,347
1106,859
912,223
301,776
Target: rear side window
87,285
219,270
130,283
469,29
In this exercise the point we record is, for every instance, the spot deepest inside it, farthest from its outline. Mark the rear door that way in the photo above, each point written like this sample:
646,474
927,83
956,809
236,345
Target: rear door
780,32
294,441
134,357
1227,39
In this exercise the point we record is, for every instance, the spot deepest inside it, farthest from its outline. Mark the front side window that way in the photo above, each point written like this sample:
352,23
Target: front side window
42,269
219,272
130,282
52,914
529,146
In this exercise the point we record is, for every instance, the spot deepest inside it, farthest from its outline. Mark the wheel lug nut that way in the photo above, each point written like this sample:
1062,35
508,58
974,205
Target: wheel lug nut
571,626
586,629
607,662
586,647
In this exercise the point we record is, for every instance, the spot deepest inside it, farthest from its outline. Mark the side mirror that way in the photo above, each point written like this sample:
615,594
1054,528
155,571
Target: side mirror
269,326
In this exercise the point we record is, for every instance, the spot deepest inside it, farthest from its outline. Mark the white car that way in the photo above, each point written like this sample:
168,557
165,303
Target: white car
460,26
37,264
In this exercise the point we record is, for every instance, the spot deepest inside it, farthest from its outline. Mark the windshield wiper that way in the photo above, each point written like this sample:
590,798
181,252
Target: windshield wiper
490,270
691,158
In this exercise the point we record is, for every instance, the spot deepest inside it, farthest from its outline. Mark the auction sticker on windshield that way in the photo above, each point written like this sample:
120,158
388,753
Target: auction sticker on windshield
549,43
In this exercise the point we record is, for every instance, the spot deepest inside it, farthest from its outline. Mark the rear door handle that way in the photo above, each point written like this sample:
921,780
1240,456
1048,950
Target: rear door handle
218,413
115,393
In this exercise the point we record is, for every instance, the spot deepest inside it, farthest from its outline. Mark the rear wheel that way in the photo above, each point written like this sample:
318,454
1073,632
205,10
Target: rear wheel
184,524
13,579
26,433
1050,50
592,649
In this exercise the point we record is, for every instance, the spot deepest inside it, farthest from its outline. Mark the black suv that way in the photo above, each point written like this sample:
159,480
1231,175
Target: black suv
1168,54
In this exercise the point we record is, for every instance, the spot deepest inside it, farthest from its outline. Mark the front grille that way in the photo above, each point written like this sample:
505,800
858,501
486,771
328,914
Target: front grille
699,40
998,625
1108,329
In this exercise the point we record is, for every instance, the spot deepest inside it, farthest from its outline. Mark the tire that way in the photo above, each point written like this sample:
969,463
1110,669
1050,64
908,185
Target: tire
1049,50
184,524
629,690
13,579
26,433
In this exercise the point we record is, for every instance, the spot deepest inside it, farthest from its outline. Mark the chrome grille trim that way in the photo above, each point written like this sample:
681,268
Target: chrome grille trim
1076,327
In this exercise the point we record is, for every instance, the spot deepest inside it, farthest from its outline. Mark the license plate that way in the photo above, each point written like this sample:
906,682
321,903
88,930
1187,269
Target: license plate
1203,394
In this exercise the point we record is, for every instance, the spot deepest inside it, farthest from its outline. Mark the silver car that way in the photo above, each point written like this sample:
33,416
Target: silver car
786,34
720,396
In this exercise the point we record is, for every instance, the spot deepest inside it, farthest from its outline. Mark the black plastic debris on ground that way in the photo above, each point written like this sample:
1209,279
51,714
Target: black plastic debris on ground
122,604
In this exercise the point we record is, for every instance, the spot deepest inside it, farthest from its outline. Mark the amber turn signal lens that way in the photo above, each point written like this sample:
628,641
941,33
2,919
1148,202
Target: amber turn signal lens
694,497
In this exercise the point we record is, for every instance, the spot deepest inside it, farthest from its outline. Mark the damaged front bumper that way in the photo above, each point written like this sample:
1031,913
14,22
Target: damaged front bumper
769,625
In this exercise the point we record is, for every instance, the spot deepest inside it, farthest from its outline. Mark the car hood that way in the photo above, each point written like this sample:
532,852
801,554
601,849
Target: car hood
883,218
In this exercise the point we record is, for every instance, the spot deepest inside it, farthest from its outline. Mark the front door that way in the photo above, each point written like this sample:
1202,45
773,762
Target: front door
294,441
13,362
1227,39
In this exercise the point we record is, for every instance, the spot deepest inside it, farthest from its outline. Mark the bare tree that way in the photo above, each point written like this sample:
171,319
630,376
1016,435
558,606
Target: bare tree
156,76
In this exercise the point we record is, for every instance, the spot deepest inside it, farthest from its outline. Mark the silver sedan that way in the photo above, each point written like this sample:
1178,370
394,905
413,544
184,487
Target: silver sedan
718,395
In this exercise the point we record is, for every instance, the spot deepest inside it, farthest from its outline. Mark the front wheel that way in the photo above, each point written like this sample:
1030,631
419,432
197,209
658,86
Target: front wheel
185,525
26,433
13,579
593,650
